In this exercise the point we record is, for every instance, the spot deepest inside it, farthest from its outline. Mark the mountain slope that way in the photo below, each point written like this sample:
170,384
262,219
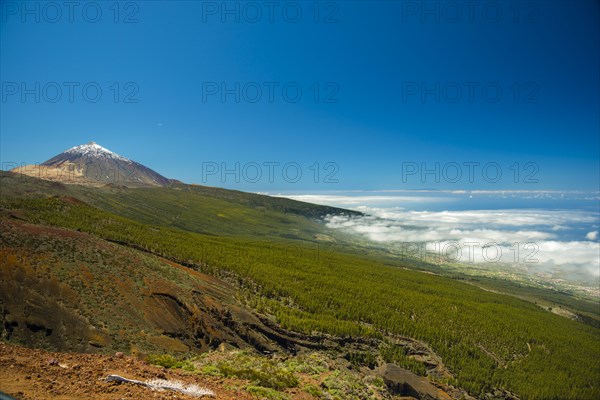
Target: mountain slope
364,310
486,340
69,290
66,289
190,207
93,165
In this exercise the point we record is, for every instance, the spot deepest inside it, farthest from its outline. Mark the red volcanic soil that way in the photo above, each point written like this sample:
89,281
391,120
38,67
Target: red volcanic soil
33,374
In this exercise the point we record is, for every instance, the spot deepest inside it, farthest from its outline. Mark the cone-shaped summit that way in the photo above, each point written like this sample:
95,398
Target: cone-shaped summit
92,164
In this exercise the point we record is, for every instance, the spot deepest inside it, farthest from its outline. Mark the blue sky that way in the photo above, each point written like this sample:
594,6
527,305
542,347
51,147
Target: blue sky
379,65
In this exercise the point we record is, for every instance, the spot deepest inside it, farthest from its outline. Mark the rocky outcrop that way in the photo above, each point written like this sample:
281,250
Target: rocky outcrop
405,383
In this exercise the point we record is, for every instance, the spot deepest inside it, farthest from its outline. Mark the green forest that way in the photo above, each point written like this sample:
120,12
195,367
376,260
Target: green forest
486,339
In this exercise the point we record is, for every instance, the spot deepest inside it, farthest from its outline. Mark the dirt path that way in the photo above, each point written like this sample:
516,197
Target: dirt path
32,374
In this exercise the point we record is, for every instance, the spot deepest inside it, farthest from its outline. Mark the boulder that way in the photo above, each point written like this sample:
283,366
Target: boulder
405,383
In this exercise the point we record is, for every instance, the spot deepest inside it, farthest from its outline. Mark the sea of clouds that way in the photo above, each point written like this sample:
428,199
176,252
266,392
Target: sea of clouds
560,242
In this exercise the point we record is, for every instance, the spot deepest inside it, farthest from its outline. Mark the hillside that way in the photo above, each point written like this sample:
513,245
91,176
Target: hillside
118,184
352,305
193,208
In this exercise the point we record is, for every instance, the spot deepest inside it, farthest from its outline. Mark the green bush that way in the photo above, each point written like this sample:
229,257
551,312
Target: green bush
211,370
164,360
267,375
168,361
313,391
266,393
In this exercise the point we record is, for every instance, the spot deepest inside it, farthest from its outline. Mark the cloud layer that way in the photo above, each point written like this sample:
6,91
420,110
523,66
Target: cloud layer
527,237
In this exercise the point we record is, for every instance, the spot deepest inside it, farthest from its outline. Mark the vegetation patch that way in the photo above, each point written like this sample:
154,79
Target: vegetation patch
487,340
316,374
266,393
261,371
169,361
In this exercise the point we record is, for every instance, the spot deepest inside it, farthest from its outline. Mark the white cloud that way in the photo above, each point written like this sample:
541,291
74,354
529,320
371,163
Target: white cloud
356,201
497,218
542,237
525,236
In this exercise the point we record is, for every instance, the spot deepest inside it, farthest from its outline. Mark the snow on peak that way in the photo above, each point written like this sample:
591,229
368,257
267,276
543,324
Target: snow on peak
93,149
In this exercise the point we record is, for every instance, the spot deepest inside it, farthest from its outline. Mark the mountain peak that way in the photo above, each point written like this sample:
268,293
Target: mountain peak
93,149
92,164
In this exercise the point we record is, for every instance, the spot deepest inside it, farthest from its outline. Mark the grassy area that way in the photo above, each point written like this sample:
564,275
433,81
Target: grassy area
317,374
486,339
193,208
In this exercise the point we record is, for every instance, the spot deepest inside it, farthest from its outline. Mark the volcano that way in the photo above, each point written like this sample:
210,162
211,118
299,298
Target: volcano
93,165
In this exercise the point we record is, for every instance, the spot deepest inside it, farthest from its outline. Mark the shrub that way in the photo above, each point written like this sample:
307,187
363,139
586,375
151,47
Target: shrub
313,390
168,361
266,393
211,370
265,374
